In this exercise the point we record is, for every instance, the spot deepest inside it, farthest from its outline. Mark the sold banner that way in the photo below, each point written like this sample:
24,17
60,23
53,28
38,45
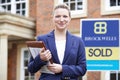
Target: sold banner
101,38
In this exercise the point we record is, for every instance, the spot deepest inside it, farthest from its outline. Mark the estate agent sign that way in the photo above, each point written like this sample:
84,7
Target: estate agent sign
101,37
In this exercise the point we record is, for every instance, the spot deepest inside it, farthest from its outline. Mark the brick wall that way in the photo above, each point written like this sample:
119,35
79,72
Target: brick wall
32,8
12,64
93,75
44,12
94,10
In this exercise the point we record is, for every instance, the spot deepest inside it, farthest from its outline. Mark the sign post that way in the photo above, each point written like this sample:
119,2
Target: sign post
101,37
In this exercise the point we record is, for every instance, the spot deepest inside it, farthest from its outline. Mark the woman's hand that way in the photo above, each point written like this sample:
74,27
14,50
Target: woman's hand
45,55
55,68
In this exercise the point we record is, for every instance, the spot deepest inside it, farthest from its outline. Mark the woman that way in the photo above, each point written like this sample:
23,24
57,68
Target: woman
66,50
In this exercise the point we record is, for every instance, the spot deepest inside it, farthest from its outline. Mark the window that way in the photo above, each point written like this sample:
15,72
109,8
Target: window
114,75
15,6
78,7
114,3
110,75
25,75
74,4
110,7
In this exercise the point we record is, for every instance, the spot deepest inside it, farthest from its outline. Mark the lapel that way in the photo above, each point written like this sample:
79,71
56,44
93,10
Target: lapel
69,42
52,47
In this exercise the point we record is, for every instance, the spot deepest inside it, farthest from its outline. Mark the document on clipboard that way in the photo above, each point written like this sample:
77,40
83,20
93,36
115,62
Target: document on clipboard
34,48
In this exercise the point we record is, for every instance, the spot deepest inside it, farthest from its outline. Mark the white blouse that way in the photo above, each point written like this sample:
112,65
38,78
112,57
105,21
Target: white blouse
60,45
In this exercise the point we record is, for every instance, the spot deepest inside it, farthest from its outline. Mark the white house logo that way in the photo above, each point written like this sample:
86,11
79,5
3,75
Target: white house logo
101,31
100,28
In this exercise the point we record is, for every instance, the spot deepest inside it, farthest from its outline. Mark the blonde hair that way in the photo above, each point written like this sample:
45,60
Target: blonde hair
63,6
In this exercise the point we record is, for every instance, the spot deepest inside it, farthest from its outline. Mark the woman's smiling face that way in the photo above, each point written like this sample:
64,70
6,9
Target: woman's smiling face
61,18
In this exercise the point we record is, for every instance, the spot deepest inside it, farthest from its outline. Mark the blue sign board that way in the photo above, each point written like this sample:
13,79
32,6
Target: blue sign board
101,38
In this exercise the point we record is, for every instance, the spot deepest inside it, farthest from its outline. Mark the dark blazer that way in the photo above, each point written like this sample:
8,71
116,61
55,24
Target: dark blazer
74,62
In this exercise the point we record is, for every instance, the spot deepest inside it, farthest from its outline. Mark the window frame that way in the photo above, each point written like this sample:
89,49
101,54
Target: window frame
107,10
106,75
13,3
22,68
77,13
116,73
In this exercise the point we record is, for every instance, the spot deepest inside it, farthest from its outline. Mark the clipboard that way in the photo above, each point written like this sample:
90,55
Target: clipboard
34,48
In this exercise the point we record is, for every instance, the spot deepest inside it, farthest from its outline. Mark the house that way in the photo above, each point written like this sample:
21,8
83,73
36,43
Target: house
23,20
